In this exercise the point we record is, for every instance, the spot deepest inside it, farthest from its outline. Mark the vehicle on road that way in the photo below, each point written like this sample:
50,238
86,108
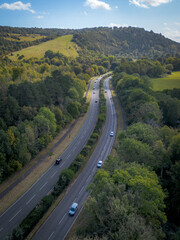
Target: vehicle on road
96,101
111,134
58,160
105,91
99,164
73,209
93,92
93,88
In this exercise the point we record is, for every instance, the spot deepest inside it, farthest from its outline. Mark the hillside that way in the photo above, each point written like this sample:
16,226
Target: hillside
16,38
121,42
61,44
126,42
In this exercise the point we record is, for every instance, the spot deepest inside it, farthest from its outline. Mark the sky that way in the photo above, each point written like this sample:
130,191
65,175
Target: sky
160,16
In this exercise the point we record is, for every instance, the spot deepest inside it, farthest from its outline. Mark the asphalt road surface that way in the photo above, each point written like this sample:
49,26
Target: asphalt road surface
59,222
20,209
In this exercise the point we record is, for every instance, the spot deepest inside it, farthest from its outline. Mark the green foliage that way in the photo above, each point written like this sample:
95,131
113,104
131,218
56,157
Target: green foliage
125,205
141,132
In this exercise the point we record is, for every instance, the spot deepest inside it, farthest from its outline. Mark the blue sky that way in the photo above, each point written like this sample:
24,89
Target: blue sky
160,16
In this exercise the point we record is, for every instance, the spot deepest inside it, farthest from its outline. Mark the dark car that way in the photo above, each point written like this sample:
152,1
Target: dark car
58,160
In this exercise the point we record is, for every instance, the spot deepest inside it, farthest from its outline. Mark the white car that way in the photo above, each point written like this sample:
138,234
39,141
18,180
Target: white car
111,134
99,164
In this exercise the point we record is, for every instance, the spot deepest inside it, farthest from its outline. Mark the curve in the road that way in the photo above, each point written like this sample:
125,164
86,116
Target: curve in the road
59,223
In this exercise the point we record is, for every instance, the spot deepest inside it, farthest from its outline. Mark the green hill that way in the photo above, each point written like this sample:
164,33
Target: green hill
61,44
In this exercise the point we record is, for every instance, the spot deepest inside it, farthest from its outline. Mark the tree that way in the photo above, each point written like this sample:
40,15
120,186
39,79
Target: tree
128,204
141,132
73,109
132,150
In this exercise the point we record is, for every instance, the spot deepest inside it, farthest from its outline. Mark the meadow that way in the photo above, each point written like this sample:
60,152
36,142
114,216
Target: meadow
61,44
168,82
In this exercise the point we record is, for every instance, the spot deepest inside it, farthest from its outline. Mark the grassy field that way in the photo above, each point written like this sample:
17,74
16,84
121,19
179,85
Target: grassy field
168,82
61,44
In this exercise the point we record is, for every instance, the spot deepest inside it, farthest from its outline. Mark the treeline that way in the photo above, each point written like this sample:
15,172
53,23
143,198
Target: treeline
136,195
126,42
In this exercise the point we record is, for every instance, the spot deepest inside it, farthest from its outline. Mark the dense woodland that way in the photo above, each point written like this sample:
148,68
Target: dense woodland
136,194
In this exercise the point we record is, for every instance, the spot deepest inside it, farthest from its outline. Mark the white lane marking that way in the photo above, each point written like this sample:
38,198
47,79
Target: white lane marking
43,186
88,178
30,199
62,218
68,156
51,235
1,229
15,215
62,164
81,190
53,174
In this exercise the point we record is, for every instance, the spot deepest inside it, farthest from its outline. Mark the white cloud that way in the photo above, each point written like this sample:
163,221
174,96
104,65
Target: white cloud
148,3
177,24
172,34
39,17
17,6
116,7
94,4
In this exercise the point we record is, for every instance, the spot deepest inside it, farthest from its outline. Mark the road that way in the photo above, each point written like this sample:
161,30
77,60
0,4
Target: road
59,222
20,209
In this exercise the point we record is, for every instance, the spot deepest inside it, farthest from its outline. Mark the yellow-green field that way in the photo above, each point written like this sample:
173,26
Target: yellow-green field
28,37
61,44
168,82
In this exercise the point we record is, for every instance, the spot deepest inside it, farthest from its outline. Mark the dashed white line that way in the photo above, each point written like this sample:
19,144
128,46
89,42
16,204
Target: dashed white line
68,156
53,174
50,235
81,190
30,199
43,186
62,218
88,178
15,215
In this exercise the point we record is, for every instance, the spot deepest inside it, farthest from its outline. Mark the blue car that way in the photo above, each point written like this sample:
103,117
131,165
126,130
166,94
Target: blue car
73,209
111,134
99,164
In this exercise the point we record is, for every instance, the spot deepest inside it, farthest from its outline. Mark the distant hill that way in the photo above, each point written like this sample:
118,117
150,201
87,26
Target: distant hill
121,42
126,41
